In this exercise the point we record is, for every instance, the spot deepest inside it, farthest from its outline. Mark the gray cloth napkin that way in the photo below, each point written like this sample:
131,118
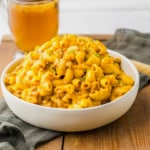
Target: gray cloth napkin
15,134
134,45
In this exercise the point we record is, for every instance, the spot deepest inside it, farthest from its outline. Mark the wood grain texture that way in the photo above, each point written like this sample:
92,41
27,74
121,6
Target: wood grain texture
55,144
130,132
7,51
141,67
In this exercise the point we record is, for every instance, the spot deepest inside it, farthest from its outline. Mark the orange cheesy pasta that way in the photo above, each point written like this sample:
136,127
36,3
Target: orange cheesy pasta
69,71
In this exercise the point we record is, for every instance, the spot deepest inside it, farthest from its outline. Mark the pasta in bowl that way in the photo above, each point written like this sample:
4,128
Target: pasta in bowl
68,80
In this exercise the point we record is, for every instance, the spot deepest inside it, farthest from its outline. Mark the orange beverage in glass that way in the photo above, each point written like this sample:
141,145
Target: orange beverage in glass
32,22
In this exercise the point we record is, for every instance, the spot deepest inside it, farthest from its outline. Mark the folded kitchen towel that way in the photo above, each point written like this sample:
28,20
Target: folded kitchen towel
16,134
134,45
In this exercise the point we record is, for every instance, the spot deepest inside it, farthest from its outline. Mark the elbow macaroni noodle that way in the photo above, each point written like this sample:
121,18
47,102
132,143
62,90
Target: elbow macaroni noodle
69,72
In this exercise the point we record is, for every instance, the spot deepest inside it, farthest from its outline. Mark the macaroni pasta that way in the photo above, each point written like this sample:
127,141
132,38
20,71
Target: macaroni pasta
69,72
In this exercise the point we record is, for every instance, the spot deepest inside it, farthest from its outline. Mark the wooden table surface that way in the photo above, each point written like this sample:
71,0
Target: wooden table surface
130,132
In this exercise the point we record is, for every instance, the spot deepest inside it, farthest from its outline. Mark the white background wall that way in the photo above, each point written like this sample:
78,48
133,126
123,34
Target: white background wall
104,16
96,16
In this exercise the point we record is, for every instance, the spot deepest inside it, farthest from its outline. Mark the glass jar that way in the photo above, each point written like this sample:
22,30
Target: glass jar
32,22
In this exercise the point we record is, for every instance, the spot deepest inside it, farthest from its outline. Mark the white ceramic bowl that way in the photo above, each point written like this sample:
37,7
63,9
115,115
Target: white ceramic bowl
73,120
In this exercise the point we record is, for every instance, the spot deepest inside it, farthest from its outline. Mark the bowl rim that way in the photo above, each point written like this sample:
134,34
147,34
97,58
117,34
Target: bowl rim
15,61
